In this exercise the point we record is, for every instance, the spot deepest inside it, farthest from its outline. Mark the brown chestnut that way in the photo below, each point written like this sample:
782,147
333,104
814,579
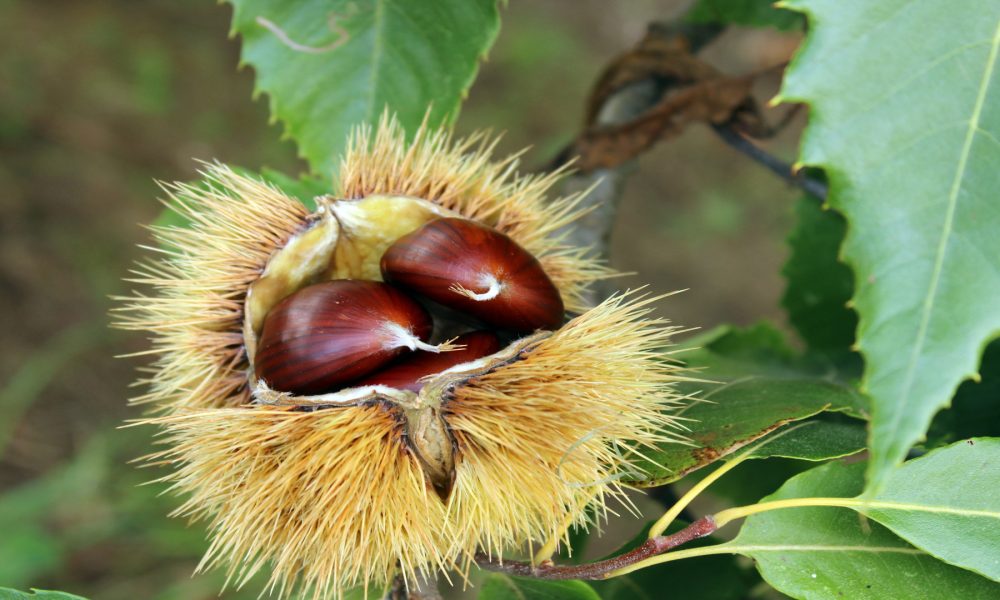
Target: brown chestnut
328,334
404,373
476,270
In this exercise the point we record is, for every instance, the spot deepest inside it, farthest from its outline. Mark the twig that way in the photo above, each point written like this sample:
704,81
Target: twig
601,569
771,162
606,185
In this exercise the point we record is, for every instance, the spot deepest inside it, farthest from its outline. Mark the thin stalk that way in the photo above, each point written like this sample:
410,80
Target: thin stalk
772,163
549,548
601,569
671,556
668,517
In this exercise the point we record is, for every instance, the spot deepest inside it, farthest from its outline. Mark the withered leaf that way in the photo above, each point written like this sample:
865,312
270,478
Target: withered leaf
686,88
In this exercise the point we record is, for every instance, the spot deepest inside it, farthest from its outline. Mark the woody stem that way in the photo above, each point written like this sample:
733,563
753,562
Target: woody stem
601,569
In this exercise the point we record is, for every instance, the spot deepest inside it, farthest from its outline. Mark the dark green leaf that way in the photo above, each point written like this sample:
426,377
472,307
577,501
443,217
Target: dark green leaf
821,552
329,65
732,416
819,286
497,586
817,439
904,118
755,13
947,503
9,594
728,353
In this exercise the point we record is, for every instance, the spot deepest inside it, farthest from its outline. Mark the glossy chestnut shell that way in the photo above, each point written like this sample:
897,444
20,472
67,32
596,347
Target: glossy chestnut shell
404,372
476,270
328,334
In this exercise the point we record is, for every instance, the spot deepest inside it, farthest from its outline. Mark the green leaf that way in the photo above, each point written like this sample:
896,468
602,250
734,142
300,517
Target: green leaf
765,386
947,503
789,450
824,552
9,594
815,440
732,416
819,286
755,13
329,65
727,353
904,119
497,586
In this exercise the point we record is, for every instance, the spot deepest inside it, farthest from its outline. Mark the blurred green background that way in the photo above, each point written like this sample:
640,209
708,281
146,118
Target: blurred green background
100,99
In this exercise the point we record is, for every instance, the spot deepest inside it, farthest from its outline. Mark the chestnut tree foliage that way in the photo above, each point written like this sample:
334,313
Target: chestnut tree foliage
893,285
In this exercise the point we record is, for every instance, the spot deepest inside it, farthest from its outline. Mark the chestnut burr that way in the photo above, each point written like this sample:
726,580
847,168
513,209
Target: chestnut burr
476,270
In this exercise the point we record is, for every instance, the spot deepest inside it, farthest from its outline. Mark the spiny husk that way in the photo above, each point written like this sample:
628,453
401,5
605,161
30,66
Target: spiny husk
201,274
334,498
327,499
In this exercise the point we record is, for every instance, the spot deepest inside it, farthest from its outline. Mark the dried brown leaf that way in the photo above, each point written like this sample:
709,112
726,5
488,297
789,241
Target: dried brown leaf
689,90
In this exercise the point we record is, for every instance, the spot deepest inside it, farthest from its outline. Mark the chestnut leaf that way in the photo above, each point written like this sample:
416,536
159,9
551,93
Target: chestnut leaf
904,111
946,503
328,66
816,439
829,552
819,287
735,415
758,384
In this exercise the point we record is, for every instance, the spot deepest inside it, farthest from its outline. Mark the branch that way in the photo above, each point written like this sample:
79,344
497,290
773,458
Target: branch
601,569
593,230
771,162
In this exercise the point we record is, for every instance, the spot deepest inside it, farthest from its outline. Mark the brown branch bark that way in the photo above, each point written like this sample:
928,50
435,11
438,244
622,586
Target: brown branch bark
621,106
600,569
